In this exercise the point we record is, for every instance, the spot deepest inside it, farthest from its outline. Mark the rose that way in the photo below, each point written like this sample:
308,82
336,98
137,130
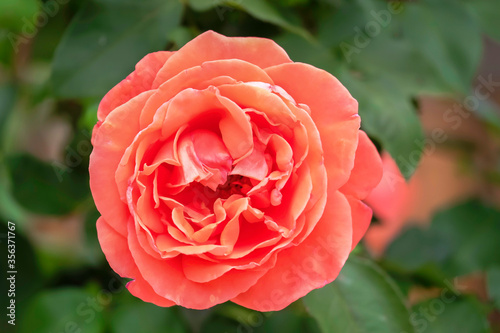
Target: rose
225,171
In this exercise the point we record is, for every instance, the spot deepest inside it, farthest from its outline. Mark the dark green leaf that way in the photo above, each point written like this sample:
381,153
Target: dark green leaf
7,100
146,317
362,299
493,279
486,12
43,188
63,310
260,9
450,314
218,324
106,39
301,50
450,40
387,115
460,240
19,16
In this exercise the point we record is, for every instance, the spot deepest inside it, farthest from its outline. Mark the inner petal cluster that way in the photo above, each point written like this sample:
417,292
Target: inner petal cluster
227,180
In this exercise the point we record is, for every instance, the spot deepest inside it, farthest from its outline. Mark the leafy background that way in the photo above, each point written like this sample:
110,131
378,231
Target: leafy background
407,63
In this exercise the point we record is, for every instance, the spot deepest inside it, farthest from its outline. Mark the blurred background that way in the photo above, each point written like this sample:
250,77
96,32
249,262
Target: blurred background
427,78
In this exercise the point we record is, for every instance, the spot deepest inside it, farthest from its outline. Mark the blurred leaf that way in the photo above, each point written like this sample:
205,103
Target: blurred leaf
19,16
7,100
52,189
404,65
181,36
489,113
493,280
285,320
449,314
460,240
450,40
387,115
260,9
93,250
63,310
347,23
302,50
106,39
362,299
218,324
146,317
486,12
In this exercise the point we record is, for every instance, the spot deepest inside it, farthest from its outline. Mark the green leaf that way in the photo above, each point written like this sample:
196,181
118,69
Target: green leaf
106,39
449,314
486,12
460,240
8,94
441,39
285,320
146,317
63,310
260,9
362,299
347,22
493,280
43,188
218,324
302,50
387,115
19,16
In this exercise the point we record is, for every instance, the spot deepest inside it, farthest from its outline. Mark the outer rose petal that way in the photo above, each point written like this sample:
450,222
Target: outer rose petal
361,218
110,141
258,51
137,82
333,110
168,280
367,170
118,255
307,266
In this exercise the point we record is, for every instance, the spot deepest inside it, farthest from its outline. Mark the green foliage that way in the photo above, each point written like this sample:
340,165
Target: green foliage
44,188
362,299
63,310
486,12
460,240
115,35
450,314
145,317
441,40
493,284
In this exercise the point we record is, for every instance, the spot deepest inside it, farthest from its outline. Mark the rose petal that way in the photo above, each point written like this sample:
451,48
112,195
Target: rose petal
361,218
110,141
367,170
168,280
217,47
137,82
310,265
118,255
333,110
